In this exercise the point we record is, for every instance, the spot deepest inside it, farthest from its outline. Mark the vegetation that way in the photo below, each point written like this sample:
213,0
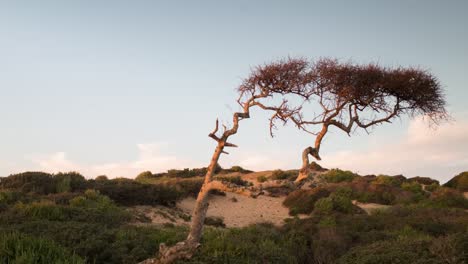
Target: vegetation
284,175
459,182
337,175
74,220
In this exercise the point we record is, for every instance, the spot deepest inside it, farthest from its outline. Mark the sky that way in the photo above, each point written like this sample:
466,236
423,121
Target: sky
120,87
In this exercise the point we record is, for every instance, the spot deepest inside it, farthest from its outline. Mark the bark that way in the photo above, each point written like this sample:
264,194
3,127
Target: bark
186,249
314,152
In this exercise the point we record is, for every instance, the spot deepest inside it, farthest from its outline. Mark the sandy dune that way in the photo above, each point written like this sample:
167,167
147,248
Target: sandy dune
245,211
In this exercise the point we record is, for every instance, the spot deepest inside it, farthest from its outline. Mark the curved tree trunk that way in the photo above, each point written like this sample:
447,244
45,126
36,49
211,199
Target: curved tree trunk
314,152
305,169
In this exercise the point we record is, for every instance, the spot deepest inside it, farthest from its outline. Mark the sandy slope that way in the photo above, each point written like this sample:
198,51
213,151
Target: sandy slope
244,211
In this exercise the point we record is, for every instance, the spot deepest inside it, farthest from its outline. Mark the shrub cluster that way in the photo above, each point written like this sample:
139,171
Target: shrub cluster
284,175
337,175
303,201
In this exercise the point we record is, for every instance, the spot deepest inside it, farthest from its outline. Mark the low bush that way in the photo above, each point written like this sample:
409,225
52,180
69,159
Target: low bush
339,201
19,248
237,180
423,180
284,175
389,252
35,182
388,180
448,197
260,243
459,182
337,175
129,192
262,178
302,201
215,221
238,169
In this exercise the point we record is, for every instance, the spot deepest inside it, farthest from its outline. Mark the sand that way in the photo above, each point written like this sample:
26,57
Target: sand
243,212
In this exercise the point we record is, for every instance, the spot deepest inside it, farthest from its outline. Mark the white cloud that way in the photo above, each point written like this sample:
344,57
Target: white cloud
149,158
439,153
56,162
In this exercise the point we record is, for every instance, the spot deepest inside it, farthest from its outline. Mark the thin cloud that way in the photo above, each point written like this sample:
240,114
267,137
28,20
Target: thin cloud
439,153
150,158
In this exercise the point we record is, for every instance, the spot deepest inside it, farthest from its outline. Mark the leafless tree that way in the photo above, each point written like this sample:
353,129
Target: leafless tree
261,89
349,96
363,96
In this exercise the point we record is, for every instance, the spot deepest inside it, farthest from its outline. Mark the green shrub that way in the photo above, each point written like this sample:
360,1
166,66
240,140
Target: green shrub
34,182
302,201
262,178
237,180
129,192
284,175
337,175
389,252
253,244
324,206
432,187
142,177
423,180
447,197
238,169
69,182
459,182
336,202
21,249
214,221
101,178
387,180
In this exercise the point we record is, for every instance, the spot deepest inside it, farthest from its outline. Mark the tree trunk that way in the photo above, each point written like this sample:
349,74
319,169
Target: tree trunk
305,169
201,206
314,152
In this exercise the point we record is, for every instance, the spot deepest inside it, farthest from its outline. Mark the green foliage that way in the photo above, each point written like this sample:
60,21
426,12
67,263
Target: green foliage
387,180
69,182
262,178
324,206
284,175
237,180
214,221
302,201
423,180
447,197
143,176
390,252
129,192
253,244
432,187
21,249
459,182
337,175
238,169
101,178
7,198
415,188
35,182
189,173
337,202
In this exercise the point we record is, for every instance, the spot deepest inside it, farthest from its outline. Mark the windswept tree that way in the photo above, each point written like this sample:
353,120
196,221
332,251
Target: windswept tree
267,88
349,96
352,97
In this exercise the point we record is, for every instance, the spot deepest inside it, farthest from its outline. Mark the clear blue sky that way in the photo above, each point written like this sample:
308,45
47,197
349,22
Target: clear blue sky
83,82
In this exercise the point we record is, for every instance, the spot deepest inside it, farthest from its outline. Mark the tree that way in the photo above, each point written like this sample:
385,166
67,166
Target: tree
347,93
363,96
259,90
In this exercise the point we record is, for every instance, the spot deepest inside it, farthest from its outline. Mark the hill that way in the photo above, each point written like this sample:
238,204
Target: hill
335,216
